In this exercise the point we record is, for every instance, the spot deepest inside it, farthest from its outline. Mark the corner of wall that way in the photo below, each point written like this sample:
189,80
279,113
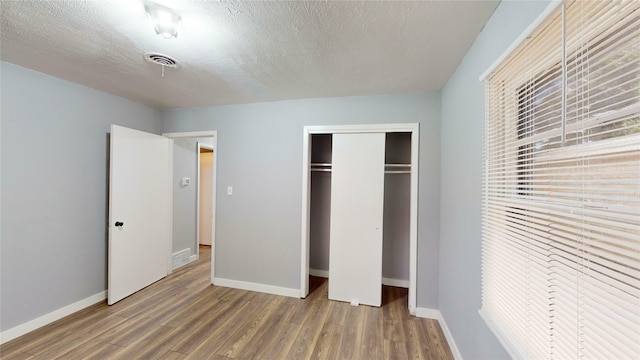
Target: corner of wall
436,315
46,319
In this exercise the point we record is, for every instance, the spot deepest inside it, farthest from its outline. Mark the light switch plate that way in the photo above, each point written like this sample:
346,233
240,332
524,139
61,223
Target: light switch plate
229,190
186,181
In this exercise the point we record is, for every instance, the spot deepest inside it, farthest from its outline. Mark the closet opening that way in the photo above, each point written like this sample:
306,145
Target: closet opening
397,200
389,239
320,210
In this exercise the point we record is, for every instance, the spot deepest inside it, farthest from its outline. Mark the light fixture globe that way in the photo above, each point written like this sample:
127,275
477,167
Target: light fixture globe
164,20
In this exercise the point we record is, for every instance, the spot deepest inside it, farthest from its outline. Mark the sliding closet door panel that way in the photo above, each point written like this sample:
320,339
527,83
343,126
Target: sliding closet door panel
357,197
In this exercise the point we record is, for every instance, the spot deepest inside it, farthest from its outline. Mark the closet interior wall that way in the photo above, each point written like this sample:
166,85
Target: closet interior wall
320,204
397,191
397,200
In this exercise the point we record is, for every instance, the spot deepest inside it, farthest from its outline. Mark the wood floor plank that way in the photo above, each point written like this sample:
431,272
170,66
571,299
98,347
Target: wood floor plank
194,311
16,355
395,350
301,311
161,292
373,338
200,334
46,334
427,347
92,350
312,325
277,343
256,333
154,344
88,333
185,317
281,343
392,314
412,340
326,346
50,342
131,330
236,343
437,338
265,333
352,333
337,316
221,334
232,295
172,355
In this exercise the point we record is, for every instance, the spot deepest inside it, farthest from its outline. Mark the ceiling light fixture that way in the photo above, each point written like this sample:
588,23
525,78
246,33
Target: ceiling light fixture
164,20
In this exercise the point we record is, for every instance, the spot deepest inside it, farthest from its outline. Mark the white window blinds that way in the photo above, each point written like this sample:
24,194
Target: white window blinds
561,205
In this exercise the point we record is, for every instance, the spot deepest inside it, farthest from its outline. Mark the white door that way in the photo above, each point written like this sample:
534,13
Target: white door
206,190
357,196
139,211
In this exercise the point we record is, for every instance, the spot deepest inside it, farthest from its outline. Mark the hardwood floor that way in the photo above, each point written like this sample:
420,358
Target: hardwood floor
184,317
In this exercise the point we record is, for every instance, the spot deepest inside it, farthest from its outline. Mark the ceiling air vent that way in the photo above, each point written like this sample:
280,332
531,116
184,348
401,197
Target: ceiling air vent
162,60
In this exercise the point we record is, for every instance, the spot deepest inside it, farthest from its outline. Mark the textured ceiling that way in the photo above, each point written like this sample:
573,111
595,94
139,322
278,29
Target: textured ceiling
243,52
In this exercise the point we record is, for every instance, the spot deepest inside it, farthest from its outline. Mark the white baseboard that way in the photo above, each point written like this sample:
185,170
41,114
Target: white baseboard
395,282
46,319
427,313
437,315
319,273
193,258
269,289
385,281
447,333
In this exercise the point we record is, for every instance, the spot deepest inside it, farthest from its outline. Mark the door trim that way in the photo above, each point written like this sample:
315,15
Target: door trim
213,134
414,129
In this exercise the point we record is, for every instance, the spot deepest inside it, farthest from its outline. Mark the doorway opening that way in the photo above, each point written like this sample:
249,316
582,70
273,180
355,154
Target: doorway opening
204,196
194,198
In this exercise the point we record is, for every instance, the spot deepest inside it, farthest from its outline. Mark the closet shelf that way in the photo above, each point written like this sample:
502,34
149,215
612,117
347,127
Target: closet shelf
397,168
389,168
397,171
322,167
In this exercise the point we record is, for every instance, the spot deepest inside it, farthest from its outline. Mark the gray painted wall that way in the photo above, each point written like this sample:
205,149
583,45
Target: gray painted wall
54,190
260,155
184,197
185,164
461,182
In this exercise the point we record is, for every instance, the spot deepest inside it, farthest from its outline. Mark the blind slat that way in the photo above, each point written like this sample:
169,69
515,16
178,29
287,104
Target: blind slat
561,204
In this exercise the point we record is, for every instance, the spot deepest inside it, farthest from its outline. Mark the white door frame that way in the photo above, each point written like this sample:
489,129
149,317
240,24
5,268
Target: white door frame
414,129
212,134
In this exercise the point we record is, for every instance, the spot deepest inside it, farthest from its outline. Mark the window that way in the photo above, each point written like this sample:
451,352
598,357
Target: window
561,204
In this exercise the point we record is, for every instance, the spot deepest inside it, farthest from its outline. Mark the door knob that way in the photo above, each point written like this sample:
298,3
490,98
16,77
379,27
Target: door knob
119,223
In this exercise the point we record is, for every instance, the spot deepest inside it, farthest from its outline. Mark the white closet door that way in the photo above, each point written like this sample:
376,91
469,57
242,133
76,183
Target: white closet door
357,196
